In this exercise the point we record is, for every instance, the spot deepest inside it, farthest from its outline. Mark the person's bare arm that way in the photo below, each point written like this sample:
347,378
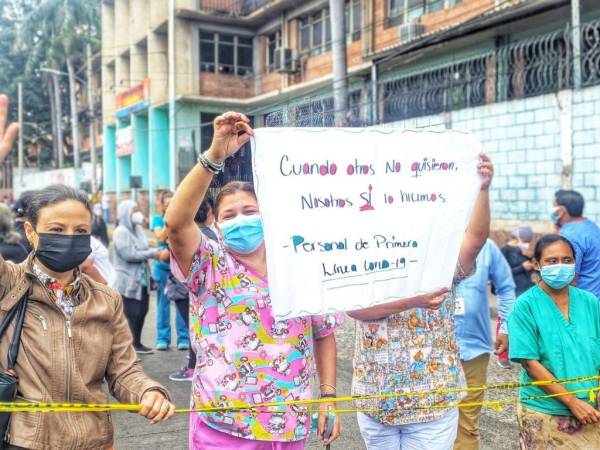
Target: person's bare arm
184,235
433,300
161,234
326,355
479,224
583,411
91,271
7,134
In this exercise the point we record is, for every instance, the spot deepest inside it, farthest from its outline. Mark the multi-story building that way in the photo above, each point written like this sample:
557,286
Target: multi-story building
499,68
248,55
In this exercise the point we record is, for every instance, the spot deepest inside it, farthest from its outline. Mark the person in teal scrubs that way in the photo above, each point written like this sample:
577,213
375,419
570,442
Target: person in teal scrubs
554,331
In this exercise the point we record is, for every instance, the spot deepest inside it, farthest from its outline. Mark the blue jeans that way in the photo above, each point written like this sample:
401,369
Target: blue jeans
435,435
163,313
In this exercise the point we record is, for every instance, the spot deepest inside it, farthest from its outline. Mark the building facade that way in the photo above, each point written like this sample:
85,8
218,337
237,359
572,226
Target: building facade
503,69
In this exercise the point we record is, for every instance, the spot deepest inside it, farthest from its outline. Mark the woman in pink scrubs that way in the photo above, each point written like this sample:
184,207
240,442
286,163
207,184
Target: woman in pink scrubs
244,356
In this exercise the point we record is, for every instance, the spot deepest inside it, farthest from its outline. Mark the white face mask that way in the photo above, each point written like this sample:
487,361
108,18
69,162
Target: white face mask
523,245
137,218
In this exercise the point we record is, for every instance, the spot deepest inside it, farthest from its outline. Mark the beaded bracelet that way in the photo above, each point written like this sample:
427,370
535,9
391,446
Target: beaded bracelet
212,167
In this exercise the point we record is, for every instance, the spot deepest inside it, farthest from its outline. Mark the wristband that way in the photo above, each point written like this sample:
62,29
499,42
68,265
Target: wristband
212,167
328,396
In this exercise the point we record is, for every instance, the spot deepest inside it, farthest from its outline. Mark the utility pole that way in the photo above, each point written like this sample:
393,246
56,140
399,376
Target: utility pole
340,72
59,135
173,153
20,118
90,87
576,39
74,113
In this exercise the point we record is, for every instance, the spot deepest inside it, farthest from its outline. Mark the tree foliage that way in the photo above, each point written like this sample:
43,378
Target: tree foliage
43,33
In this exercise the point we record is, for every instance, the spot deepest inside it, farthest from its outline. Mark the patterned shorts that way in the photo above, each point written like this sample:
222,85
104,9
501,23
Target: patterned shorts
538,431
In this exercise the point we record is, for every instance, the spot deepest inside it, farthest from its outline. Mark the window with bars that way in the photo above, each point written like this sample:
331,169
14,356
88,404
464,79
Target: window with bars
226,53
238,167
315,33
352,16
407,11
315,28
273,42
455,86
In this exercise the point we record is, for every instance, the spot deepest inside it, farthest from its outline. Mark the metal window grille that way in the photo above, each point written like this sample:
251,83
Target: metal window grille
530,67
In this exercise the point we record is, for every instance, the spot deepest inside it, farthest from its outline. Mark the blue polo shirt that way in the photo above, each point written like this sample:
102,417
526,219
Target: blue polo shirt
585,238
473,329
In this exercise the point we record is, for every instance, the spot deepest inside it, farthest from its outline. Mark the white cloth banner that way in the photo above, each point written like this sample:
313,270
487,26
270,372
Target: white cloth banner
358,217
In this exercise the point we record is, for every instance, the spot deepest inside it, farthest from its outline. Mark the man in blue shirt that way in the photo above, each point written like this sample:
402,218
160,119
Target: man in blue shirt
583,234
474,332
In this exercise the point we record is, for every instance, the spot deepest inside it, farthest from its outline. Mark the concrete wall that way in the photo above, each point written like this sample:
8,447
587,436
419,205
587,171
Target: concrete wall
530,141
158,68
586,148
140,19
109,160
108,54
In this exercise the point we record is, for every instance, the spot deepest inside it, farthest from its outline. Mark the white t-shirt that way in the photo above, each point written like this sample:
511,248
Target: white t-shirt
105,202
101,260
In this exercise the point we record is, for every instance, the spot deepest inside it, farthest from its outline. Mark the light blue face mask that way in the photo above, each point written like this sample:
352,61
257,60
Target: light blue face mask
243,234
557,276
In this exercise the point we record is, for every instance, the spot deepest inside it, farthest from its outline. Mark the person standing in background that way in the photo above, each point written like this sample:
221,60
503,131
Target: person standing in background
11,248
515,253
205,220
583,234
99,229
132,253
105,208
160,274
474,334
20,210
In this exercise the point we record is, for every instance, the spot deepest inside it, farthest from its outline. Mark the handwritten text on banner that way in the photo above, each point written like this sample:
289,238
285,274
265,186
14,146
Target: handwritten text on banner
357,217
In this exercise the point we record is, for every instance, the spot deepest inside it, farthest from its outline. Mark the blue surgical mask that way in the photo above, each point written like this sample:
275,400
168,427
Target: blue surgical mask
555,217
243,234
557,276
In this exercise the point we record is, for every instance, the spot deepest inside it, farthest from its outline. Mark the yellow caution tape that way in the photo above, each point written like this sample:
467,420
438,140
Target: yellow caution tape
495,404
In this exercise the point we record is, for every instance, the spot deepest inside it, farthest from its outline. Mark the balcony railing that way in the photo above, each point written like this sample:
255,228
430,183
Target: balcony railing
526,68
234,8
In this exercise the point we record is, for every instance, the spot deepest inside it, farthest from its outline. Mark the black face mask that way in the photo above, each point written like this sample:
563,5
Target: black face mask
63,252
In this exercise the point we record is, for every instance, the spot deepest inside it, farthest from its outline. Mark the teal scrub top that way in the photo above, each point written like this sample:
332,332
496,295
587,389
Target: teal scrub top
159,222
537,330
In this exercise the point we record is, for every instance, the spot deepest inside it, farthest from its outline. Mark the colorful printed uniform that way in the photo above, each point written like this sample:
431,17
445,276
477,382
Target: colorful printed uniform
243,355
415,350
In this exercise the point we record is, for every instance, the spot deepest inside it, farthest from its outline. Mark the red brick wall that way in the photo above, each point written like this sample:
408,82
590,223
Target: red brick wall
221,6
217,85
271,82
385,37
320,65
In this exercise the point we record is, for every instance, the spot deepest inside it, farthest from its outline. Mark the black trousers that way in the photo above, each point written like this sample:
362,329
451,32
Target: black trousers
183,306
135,311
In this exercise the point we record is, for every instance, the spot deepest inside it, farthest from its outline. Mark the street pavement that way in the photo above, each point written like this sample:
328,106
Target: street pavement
498,428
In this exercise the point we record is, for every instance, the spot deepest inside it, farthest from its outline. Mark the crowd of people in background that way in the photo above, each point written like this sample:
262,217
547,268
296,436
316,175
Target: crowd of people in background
206,259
